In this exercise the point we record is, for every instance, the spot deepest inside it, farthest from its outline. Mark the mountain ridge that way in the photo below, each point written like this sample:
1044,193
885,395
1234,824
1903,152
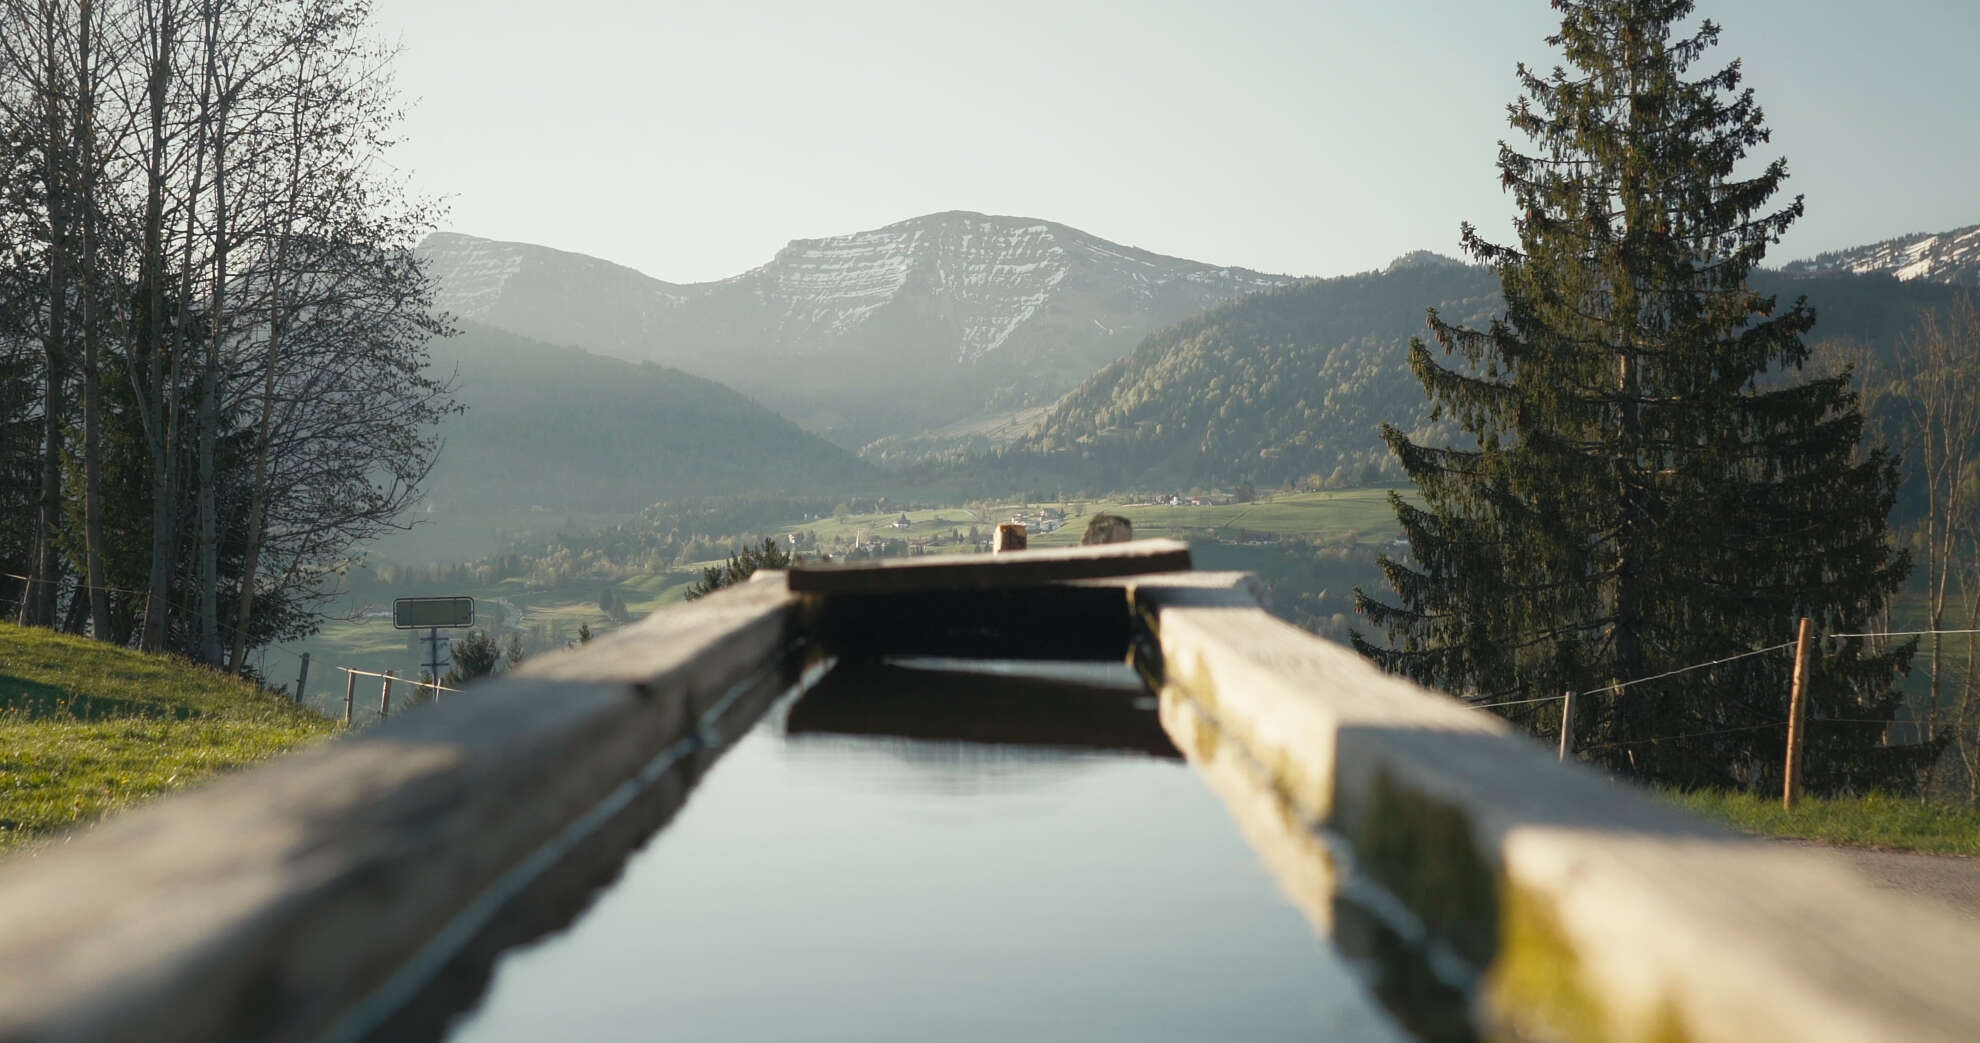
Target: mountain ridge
920,323
1289,387
1951,257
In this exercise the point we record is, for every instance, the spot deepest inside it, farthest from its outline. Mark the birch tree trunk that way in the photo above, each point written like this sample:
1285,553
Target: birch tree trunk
214,127
86,195
162,40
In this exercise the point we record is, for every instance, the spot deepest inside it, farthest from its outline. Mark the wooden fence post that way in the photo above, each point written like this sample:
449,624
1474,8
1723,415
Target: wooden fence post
1797,720
350,693
302,678
1567,726
1010,536
385,697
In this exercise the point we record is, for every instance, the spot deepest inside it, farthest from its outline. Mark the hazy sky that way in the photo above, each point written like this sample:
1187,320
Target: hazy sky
692,140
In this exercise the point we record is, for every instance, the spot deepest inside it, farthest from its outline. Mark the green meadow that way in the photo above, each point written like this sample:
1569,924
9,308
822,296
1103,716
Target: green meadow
87,730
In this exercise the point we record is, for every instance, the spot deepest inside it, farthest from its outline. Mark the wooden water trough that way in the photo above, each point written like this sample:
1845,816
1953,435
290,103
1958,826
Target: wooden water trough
362,889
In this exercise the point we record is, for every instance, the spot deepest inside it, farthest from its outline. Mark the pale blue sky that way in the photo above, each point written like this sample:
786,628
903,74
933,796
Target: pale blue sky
692,140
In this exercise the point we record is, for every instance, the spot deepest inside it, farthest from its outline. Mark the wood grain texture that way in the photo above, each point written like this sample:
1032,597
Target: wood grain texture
264,906
987,571
1584,908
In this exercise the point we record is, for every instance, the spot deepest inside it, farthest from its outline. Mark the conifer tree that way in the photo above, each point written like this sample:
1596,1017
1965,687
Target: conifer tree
1646,480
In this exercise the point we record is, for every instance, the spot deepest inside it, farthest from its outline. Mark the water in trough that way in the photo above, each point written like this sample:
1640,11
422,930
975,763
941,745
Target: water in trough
909,853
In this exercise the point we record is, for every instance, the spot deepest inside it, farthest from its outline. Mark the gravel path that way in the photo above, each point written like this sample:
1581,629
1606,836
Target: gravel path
1950,880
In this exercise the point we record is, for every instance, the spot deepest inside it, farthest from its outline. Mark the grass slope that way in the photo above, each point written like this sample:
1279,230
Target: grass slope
1874,820
87,729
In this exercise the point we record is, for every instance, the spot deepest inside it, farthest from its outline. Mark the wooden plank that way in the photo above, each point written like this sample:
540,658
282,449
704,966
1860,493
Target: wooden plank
1565,903
277,904
987,571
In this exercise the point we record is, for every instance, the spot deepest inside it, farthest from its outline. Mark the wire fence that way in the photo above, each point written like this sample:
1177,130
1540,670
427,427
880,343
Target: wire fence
387,679
1619,686
302,658
1641,680
434,685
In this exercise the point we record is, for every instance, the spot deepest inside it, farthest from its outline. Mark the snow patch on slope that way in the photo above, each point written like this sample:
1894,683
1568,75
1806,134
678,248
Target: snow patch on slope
1948,257
469,274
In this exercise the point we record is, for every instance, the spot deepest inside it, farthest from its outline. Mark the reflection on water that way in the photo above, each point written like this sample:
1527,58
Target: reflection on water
907,853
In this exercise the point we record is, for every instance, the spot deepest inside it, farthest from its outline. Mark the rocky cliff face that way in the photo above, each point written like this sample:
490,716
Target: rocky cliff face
918,324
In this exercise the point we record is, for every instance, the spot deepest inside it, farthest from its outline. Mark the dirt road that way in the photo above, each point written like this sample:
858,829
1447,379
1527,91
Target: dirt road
1950,880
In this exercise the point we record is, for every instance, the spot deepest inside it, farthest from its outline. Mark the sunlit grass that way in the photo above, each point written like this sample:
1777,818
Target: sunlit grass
86,730
1874,820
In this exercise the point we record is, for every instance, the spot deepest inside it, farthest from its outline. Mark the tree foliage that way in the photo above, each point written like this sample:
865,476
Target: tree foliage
209,298
1643,482
739,567
475,656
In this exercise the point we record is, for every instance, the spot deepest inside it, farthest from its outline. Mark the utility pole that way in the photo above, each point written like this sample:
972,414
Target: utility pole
1797,720
433,641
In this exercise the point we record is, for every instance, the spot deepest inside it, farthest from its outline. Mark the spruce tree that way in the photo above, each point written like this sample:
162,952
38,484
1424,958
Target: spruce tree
1645,481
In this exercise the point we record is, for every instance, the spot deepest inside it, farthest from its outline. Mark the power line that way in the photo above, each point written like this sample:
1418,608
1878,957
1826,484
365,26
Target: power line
1715,662
1518,702
1686,735
1905,633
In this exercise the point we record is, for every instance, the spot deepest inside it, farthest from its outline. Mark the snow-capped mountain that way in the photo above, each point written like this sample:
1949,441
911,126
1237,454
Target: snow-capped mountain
918,324
1947,257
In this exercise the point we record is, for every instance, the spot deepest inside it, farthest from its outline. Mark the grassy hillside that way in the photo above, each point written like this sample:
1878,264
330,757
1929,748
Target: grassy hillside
86,730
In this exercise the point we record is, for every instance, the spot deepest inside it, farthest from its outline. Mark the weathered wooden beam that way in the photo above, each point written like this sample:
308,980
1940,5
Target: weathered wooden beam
988,571
1557,902
293,901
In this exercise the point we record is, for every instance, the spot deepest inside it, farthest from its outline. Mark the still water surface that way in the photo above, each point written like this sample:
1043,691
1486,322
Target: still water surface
930,855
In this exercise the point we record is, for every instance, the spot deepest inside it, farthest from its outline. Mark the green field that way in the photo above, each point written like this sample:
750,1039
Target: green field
440,535
924,523
1365,512
87,729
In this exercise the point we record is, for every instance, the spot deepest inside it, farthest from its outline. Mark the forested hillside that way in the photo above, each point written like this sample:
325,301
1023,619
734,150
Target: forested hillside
1291,385
573,431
